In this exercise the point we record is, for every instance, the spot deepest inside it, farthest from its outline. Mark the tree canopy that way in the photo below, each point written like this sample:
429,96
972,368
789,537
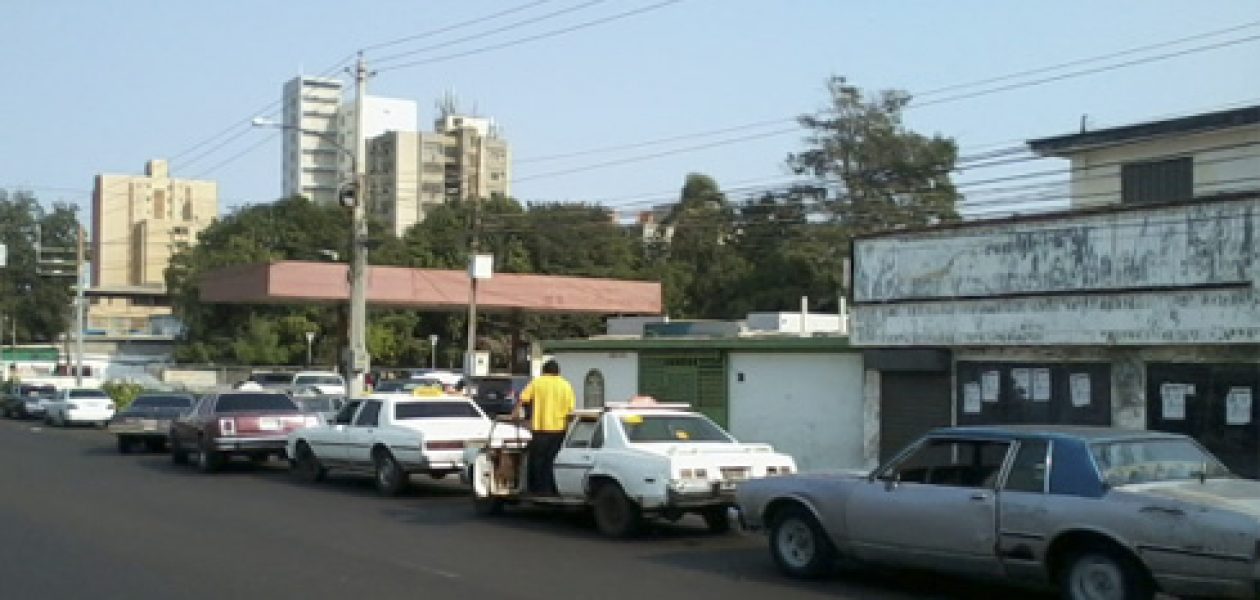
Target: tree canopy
38,304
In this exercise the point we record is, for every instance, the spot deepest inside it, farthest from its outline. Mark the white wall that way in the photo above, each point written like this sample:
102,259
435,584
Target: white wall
620,370
807,405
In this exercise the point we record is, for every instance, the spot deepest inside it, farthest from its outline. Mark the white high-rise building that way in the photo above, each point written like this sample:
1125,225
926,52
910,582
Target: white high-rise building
319,134
311,158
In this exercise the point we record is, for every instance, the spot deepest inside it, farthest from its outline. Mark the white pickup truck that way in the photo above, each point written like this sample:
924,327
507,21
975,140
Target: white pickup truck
627,461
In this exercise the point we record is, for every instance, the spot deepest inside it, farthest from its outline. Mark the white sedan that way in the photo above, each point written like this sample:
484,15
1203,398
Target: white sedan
391,437
79,405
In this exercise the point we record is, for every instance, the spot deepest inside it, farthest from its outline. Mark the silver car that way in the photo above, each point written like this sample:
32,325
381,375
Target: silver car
1099,513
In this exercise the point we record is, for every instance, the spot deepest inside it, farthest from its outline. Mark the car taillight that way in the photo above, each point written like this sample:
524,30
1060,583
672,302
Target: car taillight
227,426
450,445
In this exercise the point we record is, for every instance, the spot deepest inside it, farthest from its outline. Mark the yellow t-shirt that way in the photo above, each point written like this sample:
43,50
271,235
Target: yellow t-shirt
553,400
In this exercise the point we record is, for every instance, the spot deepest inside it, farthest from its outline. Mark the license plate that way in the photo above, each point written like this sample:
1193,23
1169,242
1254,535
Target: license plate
148,425
268,424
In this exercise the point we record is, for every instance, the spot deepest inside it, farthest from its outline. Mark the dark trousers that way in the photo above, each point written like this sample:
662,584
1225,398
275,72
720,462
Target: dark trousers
543,448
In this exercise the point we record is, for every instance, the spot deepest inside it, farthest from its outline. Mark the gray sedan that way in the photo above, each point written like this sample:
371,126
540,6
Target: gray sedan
1101,513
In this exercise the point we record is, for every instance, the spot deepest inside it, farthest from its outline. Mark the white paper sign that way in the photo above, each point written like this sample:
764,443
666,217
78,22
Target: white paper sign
971,398
1041,385
1174,401
1023,382
990,383
1079,382
1238,406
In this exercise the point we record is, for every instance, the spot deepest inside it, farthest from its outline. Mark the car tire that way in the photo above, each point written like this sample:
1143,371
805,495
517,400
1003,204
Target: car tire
799,545
716,519
124,444
306,466
389,477
616,515
48,420
208,461
179,456
1104,572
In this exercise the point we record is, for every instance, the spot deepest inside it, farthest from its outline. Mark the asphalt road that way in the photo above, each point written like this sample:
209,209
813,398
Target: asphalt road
79,520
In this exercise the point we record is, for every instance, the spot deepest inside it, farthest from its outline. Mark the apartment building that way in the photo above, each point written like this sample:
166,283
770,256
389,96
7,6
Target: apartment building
138,223
320,134
409,172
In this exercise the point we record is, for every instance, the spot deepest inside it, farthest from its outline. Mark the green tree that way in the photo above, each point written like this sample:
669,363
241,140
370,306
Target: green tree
881,175
37,303
700,264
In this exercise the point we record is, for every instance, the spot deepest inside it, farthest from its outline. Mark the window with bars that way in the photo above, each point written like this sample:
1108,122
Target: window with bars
1157,182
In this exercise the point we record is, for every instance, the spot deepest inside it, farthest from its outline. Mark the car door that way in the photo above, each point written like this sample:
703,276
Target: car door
361,435
577,455
1024,516
934,508
329,440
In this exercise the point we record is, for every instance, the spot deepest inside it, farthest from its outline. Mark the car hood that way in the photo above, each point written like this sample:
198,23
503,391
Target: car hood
449,429
1237,495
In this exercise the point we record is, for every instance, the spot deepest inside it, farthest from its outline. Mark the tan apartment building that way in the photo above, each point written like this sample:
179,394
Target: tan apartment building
138,223
409,172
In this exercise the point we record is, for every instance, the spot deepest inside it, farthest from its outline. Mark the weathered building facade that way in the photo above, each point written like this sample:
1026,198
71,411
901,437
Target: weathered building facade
1137,309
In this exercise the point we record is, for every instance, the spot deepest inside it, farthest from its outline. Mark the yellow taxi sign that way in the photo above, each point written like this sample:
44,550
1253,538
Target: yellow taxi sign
632,419
428,392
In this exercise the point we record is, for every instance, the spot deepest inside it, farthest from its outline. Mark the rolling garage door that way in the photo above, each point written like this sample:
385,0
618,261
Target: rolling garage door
911,404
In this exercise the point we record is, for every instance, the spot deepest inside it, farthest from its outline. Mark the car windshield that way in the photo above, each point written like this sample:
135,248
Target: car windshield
672,428
1144,461
272,378
162,402
255,403
36,390
434,410
88,394
317,380
319,403
406,385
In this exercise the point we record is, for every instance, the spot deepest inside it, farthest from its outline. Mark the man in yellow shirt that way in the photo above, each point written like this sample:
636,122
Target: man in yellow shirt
552,400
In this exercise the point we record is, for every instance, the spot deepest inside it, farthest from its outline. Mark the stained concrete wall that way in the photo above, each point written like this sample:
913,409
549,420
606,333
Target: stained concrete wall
1173,274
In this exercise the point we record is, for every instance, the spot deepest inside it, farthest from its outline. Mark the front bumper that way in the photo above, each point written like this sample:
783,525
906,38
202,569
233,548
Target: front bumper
715,495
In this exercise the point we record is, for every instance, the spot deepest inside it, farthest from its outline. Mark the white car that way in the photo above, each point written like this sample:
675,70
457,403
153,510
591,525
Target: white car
391,436
631,460
320,382
79,405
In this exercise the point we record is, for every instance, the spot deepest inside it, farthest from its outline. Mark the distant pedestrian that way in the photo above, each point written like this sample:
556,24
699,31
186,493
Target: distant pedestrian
551,400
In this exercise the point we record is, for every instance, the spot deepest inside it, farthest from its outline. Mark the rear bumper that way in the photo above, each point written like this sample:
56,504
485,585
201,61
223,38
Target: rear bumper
156,428
88,415
693,499
250,444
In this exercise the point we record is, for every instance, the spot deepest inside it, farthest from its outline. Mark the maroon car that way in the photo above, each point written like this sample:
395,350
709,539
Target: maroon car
227,424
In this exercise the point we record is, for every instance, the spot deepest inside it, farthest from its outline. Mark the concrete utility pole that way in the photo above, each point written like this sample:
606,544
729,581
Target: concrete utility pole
79,310
474,244
357,336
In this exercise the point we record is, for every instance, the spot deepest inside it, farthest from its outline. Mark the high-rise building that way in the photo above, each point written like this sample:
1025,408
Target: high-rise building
410,172
138,223
311,158
319,134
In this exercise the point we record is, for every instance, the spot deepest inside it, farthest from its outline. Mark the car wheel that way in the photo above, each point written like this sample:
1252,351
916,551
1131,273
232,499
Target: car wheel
178,455
390,478
1104,574
615,514
124,444
207,460
306,466
799,546
48,419
716,519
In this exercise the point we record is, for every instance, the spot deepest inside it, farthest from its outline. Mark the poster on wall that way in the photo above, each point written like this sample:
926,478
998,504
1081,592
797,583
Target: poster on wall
1023,383
1041,385
1079,382
1173,396
971,398
990,383
1238,406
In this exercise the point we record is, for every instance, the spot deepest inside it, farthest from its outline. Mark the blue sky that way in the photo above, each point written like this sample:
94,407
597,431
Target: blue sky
103,86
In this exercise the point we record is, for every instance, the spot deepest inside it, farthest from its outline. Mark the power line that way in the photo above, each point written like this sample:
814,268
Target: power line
452,27
536,37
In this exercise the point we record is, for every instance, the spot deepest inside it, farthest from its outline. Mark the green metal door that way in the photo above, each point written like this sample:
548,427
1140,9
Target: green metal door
697,377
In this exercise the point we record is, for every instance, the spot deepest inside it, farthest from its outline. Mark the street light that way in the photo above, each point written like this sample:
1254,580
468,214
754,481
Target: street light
310,339
351,195
433,340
